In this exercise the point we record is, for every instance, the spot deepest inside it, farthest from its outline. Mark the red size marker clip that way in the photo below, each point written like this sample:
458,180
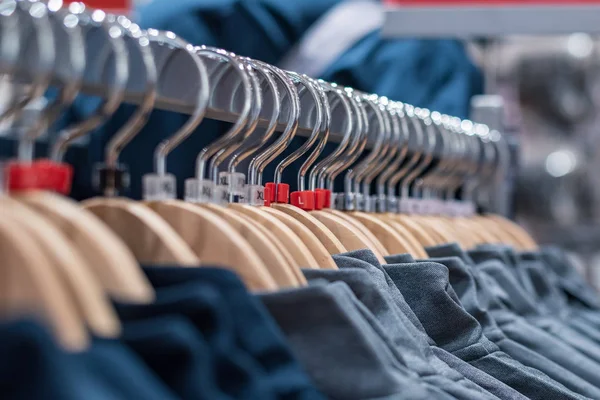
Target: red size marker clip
322,199
305,200
21,176
281,190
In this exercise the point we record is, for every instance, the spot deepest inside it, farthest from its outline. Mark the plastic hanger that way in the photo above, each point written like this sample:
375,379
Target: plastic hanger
206,233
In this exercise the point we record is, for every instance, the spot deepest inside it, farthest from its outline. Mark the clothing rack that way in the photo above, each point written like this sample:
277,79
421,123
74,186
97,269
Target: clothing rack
174,92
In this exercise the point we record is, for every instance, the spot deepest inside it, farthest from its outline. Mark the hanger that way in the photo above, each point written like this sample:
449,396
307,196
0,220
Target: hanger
348,234
257,165
291,247
148,237
31,281
493,141
31,284
390,238
205,232
99,248
331,166
320,232
232,183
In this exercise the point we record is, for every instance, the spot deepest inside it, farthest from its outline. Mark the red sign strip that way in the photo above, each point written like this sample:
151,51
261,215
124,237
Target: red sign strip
108,5
492,3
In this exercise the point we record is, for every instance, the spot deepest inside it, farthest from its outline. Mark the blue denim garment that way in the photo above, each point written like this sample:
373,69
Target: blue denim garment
508,302
339,348
432,351
472,289
403,345
427,289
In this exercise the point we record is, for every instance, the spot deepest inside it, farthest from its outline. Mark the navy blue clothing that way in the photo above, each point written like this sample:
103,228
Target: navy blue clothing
32,366
252,328
250,355
213,359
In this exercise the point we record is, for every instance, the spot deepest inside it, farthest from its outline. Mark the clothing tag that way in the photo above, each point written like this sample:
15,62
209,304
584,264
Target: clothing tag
231,188
359,202
159,187
392,204
381,203
199,190
349,201
411,206
255,195
370,203
338,201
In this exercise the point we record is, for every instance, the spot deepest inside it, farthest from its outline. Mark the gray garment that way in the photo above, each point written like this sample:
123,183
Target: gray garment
578,291
366,260
507,300
551,313
392,330
471,289
427,289
340,351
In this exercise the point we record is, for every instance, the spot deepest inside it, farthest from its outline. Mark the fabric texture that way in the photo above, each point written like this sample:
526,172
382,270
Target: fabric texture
427,289
344,356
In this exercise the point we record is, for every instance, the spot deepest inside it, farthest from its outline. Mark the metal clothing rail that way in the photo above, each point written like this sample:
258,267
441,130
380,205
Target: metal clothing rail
178,94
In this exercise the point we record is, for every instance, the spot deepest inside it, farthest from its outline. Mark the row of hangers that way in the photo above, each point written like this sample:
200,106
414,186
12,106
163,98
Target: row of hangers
64,259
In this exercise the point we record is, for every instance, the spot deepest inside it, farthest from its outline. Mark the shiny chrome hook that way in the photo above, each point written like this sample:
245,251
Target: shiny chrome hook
37,55
244,135
202,98
231,135
113,48
415,145
341,99
69,67
442,156
383,188
380,148
355,148
316,99
393,143
260,161
243,153
423,117
138,40
160,185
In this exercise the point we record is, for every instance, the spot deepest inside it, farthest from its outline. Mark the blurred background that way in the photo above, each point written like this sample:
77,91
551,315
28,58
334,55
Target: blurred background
549,90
